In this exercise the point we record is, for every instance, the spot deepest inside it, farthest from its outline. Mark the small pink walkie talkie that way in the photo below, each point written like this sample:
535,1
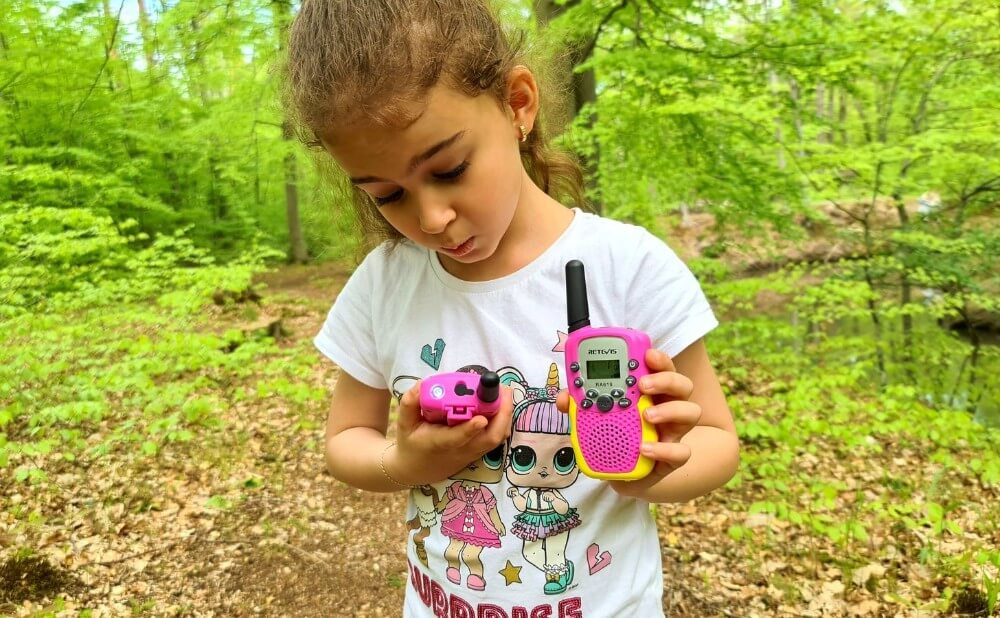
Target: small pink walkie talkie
603,367
456,397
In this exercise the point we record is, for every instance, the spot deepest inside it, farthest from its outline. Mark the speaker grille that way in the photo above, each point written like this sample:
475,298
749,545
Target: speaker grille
611,445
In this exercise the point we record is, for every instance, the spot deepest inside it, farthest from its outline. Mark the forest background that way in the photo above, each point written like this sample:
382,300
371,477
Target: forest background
830,169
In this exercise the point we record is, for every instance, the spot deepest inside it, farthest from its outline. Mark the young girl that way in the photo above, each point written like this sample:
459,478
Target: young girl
427,108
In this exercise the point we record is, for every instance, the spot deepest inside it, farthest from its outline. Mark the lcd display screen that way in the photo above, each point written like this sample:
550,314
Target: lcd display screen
603,369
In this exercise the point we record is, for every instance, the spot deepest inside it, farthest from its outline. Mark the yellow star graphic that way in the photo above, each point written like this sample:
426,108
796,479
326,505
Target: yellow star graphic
511,573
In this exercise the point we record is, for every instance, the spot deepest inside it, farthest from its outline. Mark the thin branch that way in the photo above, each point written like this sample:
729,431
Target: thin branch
11,82
894,89
988,186
589,47
107,58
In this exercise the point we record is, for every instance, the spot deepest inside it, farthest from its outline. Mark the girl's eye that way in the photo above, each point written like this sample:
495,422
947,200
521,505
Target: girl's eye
450,175
392,197
453,174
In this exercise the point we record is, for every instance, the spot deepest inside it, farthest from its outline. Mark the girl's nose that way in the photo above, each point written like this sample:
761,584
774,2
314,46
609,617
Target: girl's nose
435,213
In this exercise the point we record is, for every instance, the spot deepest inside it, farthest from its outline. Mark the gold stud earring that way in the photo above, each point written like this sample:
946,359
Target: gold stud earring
524,134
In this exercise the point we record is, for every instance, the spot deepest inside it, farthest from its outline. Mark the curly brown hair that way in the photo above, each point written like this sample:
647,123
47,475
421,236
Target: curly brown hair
353,60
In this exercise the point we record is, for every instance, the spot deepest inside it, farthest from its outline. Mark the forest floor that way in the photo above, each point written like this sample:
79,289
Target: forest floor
135,537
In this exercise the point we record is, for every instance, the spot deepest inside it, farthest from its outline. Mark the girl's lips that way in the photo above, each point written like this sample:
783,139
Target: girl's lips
461,250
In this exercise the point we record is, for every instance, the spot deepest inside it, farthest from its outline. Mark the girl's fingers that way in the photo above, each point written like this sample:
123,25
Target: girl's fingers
674,454
657,360
562,401
500,424
491,431
668,383
469,430
676,412
409,409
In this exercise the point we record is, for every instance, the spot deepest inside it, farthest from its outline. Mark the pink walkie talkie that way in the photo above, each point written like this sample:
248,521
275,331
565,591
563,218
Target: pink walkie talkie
603,367
456,397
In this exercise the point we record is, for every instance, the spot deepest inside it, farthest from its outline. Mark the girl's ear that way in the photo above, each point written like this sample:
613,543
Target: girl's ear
523,99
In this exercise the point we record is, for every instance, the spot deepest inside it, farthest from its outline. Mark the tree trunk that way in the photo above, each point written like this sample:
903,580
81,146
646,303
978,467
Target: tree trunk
906,287
794,93
584,89
870,280
772,80
111,35
298,252
821,111
830,104
148,41
842,117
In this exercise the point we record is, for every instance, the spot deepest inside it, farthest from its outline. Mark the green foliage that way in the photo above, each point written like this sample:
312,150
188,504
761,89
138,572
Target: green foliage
79,385
144,174
766,111
838,448
171,126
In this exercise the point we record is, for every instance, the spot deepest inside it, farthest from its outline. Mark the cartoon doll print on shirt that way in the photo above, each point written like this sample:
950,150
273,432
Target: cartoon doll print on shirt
541,463
426,498
470,517
468,509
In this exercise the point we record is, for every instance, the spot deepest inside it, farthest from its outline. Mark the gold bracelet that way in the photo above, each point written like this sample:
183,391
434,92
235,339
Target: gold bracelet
381,464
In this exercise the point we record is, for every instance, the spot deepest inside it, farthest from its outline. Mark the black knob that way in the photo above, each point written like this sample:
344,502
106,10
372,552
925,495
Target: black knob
605,403
489,387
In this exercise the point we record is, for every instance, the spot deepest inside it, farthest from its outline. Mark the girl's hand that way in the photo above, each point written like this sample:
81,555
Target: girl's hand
671,413
428,452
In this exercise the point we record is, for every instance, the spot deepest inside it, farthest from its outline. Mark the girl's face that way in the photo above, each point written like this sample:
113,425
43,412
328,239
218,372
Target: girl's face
451,181
541,460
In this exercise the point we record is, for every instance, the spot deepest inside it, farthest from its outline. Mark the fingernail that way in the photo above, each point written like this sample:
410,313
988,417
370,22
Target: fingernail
646,449
644,384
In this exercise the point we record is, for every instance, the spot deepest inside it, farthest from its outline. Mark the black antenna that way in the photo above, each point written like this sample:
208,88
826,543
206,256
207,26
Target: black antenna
489,387
577,310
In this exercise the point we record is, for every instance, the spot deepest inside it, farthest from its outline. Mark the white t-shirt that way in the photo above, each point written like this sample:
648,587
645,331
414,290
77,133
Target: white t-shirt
519,534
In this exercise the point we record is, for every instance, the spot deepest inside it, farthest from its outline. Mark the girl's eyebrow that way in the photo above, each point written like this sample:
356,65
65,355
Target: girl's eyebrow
417,160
